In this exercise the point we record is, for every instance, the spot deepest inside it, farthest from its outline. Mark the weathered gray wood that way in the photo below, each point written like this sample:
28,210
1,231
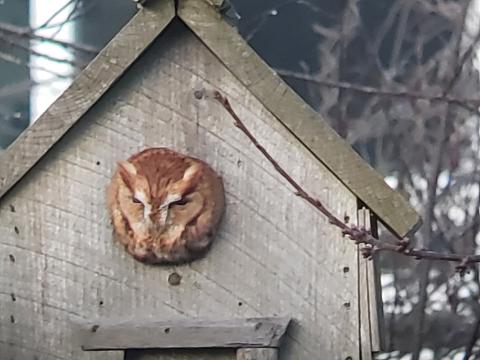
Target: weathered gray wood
215,3
86,89
366,325
227,44
257,354
371,305
273,253
376,307
298,117
195,333
377,320
181,354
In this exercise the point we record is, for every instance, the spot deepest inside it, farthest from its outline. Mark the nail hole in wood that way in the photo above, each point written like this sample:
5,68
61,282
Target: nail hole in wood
348,358
95,328
198,94
98,163
14,298
16,230
12,208
101,303
258,325
12,319
240,303
12,258
346,269
347,305
167,330
174,279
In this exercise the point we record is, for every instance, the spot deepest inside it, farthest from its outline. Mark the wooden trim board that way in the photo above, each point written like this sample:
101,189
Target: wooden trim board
194,333
370,296
84,91
299,118
377,318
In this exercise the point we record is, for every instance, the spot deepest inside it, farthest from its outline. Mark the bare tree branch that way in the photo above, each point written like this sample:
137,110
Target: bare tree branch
357,234
469,104
28,33
75,63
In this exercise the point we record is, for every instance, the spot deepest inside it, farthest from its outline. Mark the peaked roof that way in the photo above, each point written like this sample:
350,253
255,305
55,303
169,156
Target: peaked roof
202,17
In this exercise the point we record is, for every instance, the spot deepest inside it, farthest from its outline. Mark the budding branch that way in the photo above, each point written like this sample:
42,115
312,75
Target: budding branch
358,234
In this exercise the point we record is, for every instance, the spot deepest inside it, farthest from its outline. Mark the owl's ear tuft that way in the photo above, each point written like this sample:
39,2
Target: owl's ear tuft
127,172
127,166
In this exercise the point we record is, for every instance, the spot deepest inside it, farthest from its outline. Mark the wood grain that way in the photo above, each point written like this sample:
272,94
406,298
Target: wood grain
300,119
377,320
85,90
215,3
257,354
365,333
371,304
194,333
181,354
273,253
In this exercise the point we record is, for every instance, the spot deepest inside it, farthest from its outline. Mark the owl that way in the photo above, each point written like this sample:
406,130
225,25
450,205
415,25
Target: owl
165,206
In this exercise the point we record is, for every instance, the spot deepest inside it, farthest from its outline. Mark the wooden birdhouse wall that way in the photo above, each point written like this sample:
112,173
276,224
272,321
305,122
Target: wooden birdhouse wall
274,254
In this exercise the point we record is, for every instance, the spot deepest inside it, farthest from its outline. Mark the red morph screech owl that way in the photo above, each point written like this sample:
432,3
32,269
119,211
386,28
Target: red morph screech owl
165,206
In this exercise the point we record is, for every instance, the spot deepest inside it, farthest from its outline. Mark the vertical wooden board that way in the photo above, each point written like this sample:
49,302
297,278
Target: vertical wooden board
274,255
375,306
200,354
375,295
369,298
364,293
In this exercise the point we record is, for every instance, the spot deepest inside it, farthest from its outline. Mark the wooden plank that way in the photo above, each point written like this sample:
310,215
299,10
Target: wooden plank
370,293
85,90
375,296
363,294
273,253
257,354
376,307
216,3
148,334
181,354
298,117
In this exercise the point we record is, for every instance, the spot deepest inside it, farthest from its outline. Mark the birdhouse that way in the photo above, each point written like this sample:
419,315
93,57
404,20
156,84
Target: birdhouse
277,280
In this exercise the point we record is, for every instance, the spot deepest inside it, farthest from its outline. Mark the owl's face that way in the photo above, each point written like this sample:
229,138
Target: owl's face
147,207
164,205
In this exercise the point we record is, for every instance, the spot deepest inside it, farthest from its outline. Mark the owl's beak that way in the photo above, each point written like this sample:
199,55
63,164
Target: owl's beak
163,208
147,208
163,216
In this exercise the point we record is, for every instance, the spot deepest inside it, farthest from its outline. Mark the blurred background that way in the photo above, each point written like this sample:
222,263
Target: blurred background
398,79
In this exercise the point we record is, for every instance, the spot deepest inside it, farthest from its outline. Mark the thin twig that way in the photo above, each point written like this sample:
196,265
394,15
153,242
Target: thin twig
469,104
27,33
359,235
54,15
74,63
17,61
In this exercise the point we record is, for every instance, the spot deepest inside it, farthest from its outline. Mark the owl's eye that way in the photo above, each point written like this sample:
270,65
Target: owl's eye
180,202
136,201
